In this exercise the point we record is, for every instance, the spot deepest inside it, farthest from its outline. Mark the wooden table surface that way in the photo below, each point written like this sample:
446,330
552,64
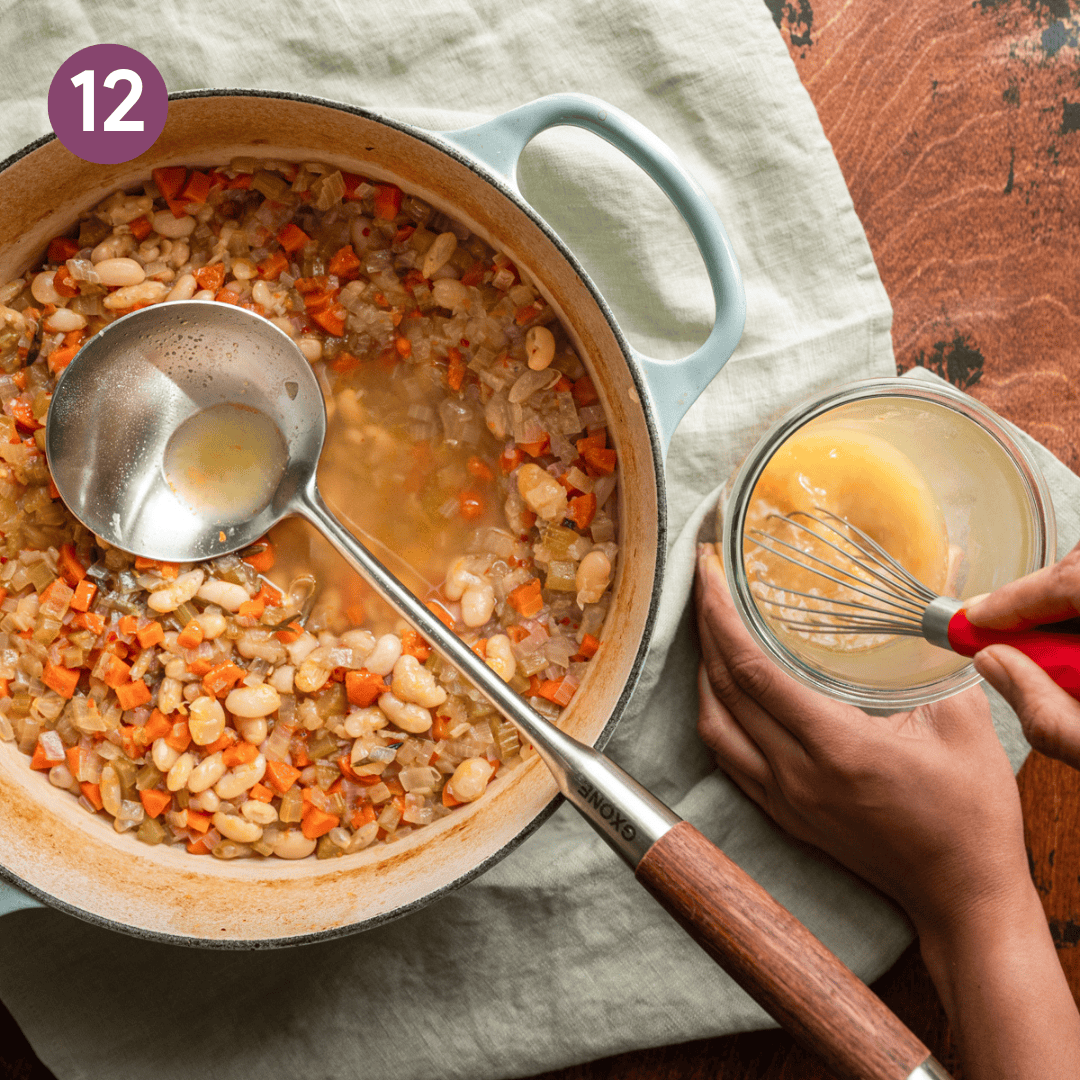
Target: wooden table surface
957,127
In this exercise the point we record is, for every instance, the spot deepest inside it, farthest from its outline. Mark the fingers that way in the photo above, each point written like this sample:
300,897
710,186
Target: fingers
1049,716
775,710
1048,595
736,753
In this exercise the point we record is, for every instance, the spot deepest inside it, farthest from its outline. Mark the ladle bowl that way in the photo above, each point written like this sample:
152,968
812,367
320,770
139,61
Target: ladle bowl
142,431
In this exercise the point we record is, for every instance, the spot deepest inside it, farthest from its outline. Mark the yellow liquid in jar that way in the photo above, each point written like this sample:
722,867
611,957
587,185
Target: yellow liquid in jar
868,482
226,461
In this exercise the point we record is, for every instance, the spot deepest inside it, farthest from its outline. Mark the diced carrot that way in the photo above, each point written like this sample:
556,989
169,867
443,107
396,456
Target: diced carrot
133,694
470,504
84,595
128,624
516,633
364,815
474,275
155,801
272,266
440,728
289,635
151,634
73,754
558,691
563,386
41,758
316,822
601,462
64,283
281,775
591,442
538,447
292,238
210,277
403,346
198,847
226,739
190,636
510,459
60,357
589,645
220,680
197,188
479,468
455,371
387,201
200,666
92,621
241,182
227,296
140,229
116,672
582,510
528,311
585,392
23,412
92,793
448,798
157,727
441,614
198,821
344,262
5,688
241,754
179,737
252,608
412,644
61,679
260,559
332,320
170,180
260,792
62,248
526,599
363,688
352,182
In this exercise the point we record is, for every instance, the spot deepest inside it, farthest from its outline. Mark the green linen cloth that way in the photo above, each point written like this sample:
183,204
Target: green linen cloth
555,955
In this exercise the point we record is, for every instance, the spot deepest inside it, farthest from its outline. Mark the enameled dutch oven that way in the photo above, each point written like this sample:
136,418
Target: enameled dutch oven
56,853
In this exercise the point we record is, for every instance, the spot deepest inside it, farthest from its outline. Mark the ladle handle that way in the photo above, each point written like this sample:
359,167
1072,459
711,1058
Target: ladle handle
756,940
778,962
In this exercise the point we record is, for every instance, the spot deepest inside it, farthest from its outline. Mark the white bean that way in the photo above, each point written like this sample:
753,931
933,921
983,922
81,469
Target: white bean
206,801
166,223
384,656
149,292
311,347
362,721
117,246
539,347
592,578
183,288
470,779
450,293
311,676
63,320
43,290
120,271
500,657
253,701
260,812
60,776
170,695
206,720
262,294
163,755
240,779
206,774
213,624
543,494
293,844
477,604
460,577
409,717
180,773
226,594
413,682
252,729
282,679
363,837
438,255
235,828
181,252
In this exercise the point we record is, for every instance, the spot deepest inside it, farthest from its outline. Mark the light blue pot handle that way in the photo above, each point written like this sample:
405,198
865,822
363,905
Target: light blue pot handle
673,385
13,899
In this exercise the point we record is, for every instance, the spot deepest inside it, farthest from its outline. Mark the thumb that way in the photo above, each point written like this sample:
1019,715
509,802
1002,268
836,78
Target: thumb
1049,716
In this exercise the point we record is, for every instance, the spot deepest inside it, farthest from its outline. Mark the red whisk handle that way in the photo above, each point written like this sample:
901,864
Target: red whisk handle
1057,653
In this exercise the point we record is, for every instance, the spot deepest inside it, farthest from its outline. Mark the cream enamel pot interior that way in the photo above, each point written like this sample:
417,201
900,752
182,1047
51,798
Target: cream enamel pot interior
49,846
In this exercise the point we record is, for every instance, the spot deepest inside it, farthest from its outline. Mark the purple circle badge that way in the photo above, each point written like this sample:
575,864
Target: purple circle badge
108,103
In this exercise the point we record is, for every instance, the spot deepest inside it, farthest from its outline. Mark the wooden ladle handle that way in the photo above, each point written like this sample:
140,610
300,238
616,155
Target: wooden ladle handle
776,960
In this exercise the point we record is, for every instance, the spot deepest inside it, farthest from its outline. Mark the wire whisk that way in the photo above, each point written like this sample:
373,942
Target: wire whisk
879,596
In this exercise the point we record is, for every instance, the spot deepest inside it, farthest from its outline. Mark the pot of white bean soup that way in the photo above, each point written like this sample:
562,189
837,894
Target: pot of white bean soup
255,750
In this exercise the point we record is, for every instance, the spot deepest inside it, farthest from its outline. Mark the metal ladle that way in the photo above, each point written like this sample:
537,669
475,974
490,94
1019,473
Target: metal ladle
143,431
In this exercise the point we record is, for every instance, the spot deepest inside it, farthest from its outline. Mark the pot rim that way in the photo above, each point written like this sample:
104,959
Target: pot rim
435,140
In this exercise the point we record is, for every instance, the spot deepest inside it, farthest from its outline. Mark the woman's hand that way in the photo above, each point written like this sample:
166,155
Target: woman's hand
922,804
1050,717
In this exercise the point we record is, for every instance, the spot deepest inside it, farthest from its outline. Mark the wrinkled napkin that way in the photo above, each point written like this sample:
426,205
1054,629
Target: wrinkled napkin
555,955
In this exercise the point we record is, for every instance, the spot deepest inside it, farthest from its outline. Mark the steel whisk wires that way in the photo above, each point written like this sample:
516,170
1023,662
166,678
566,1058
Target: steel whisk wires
876,596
